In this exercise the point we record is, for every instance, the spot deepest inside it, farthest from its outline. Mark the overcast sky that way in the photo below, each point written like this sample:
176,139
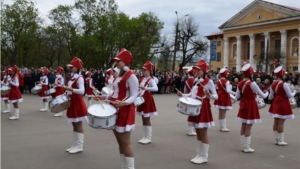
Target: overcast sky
209,13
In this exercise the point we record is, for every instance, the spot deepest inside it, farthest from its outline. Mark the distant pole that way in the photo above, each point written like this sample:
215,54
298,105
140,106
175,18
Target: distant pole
175,46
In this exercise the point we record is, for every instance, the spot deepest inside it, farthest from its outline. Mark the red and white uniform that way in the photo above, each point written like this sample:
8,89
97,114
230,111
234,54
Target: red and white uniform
125,89
188,84
248,112
280,107
205,118
78,110
15,93
5,80
59,81
148,108
110,80
224,91
44,84
90,87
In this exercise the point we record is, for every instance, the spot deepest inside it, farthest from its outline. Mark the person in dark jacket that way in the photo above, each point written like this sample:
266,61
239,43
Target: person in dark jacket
99,79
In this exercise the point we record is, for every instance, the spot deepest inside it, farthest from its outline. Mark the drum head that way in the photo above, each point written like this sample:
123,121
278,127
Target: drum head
97,110
106,89
190,101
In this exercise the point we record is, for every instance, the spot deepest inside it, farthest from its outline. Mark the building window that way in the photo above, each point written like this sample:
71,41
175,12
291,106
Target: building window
262,48
218,69
248,51
219,43
234,69
295,68
278,48
259,16
219,57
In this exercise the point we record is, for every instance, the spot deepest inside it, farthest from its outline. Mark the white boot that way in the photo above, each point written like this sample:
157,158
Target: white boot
15,116
129,163
79,144
203,154
145,130
276,137
198,151
191,131
122,157
223,125
280,139
44,108
247,143
74,141
7,108
242,139
58,114
148,135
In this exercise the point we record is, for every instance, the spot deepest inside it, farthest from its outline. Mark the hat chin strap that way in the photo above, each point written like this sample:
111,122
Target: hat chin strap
125,68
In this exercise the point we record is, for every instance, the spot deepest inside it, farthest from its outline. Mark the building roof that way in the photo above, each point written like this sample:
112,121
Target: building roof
215,34
256,3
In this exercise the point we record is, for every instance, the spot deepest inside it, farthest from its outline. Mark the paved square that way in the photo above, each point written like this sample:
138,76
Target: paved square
38,141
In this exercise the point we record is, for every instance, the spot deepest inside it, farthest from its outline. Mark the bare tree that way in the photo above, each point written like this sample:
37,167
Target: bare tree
190,43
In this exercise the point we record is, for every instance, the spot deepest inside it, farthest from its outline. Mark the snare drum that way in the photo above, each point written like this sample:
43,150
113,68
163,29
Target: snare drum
5,90
105,91
293,102
139,101
36,89
59,103
100,118
50,91
260,102
190,107
233,99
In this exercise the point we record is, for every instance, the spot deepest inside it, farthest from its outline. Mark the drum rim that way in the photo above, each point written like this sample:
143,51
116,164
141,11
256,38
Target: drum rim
105,117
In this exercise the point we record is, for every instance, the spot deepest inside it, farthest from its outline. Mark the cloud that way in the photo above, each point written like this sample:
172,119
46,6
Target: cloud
209,13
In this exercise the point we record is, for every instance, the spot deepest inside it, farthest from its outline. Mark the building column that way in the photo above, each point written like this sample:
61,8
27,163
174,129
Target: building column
267,46
298,51
226,48
238,53
283,47
252,50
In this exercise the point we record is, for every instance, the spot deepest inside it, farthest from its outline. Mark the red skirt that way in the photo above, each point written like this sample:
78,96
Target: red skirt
126,118
42,93
58,91
204,119
148,108
223,102
281,108
89,92
5,97
15,95
78,110
248,112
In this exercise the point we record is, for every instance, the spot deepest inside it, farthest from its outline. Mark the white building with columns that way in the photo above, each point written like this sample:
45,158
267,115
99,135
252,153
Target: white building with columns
263,34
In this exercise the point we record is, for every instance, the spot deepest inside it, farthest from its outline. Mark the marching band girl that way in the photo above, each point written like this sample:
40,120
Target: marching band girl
204,120
90,87
5,81
188,84
44,85
280,108
224,101
148,108
77,112
58,83
248,112
125,90
109,78
15,95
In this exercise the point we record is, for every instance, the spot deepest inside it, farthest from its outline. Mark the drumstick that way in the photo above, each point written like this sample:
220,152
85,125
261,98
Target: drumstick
99,100
182,95
204,88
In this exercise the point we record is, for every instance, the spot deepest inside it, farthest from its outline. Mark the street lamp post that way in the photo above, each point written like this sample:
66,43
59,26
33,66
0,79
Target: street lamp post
176,37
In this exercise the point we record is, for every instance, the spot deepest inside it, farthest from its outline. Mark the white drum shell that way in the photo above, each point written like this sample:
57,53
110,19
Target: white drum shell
260,102
139,101
50,91
5,90
59,103
36,89
191,107
293,102
100,118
